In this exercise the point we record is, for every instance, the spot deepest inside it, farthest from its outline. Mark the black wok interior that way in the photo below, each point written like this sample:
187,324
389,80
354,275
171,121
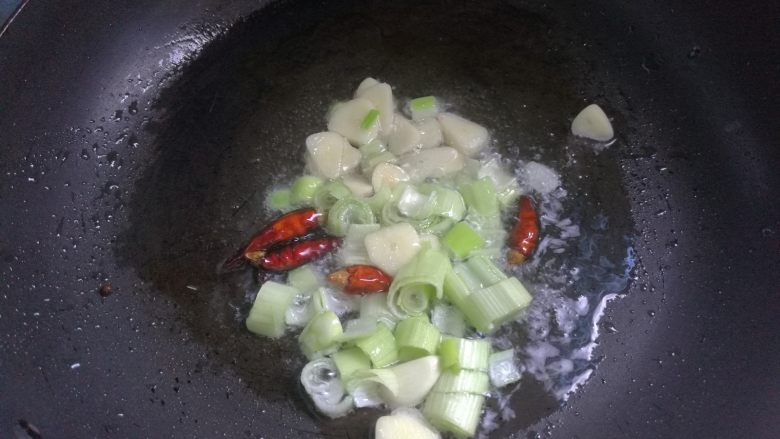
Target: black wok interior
137,144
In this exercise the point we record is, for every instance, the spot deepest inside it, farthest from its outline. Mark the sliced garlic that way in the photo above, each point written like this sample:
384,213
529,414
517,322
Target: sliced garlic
358,185
387,174
392,247
592,123
346,119
430,133
404,426
404,137
415,379
462,134
381,95
365,84
433,162
330,155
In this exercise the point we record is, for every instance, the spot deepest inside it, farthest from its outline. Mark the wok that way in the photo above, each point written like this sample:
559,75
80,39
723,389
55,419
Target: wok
137,140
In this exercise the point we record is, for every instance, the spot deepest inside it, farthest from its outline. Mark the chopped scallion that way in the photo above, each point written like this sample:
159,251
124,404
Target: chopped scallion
280,200
463,381
461,353
349,361
379,346
303,190
304,278
461,240
415,338
480,197
418,282
321,335
423,107
347,211
456,413
499,303
267,316
369,120
329,193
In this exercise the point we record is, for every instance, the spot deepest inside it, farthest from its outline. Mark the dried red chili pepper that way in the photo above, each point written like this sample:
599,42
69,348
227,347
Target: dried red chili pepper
296,254
525,234
288,226
361,279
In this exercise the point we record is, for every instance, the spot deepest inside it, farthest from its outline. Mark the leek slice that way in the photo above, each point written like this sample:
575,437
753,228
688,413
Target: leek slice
358,328
321,381
379,346
456,413
463,381
480,196
423,107
349,361
348,211
497,304
267,316
370,119
279,200
329,193
303,309
418,283
415,338
304,279
303,190
461,240
461,353
321,335
373,307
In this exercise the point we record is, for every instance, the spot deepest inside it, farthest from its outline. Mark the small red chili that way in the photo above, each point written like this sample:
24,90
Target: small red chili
288,226
361,279
296,254
525,234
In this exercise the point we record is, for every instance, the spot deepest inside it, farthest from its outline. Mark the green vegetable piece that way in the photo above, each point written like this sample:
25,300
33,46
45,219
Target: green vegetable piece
320,335
303,190
379,346
369,120
415,338
463,381
304,279
329,193
460,353
461,240
267,316
423,103
480,197
349,361
280,200
418,283
499,303
456,413
347,211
